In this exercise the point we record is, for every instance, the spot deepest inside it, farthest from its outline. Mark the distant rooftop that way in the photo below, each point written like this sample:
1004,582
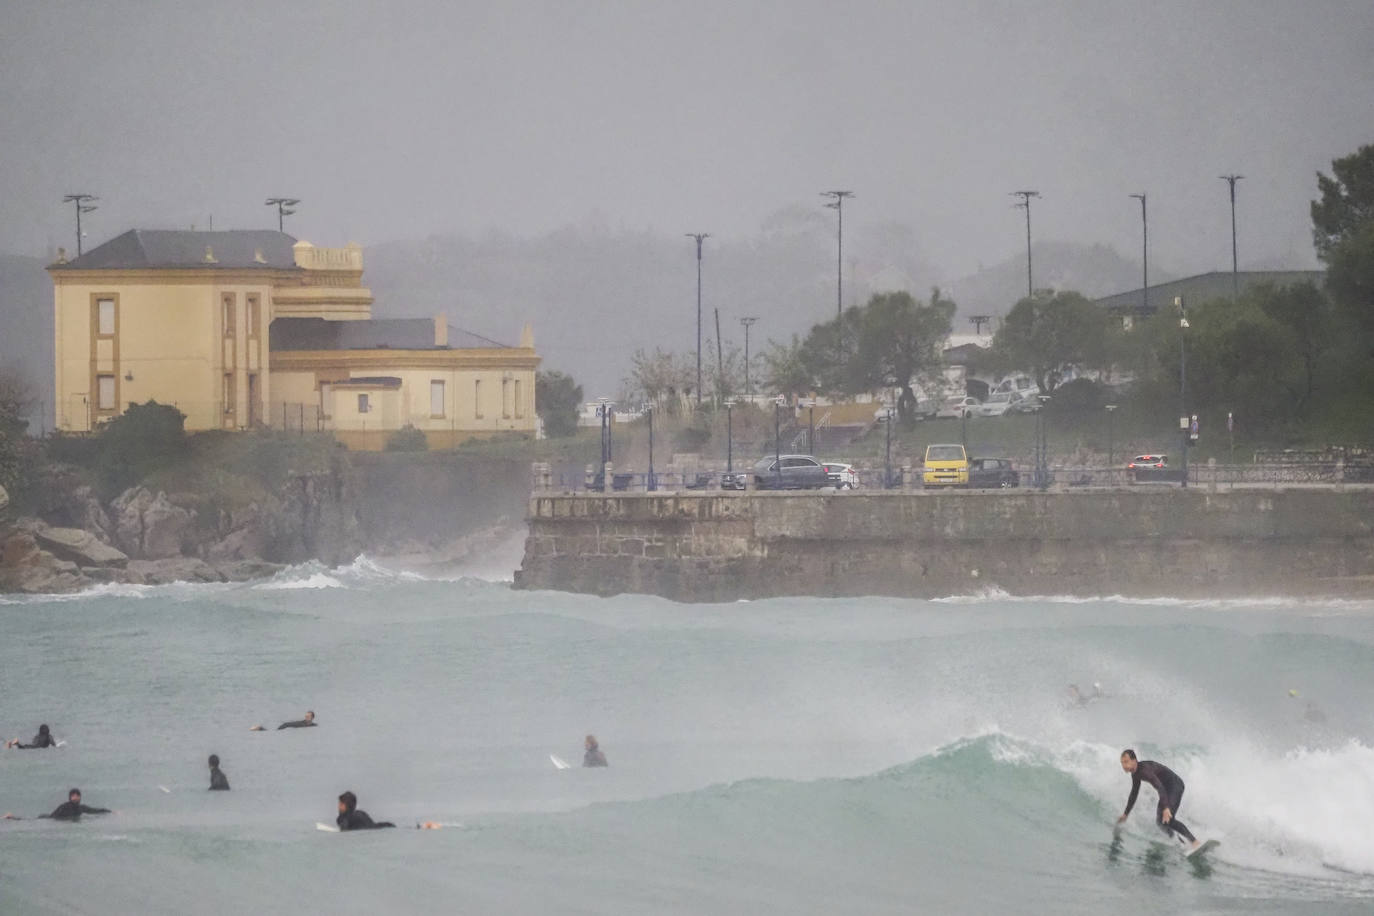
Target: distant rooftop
374,334
1203,287
176,249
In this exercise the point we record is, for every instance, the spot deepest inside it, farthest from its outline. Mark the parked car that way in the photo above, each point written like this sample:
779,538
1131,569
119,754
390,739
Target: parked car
1151,460
945,466
956,407
998,404
790,472
1029,403
842,476
990,473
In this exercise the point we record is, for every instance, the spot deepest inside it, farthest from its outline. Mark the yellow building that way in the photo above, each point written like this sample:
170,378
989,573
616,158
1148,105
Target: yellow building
243,329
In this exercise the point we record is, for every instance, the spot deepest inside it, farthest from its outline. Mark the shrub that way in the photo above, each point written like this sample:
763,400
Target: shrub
143,439
407,439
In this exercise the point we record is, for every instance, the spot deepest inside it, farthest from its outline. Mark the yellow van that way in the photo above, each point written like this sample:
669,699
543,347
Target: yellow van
946,466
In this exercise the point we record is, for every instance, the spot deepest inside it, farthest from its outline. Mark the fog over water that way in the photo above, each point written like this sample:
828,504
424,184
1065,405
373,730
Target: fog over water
402,120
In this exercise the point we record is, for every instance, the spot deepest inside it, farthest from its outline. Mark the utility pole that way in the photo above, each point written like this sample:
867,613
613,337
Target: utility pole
700,237
1235,273
1144,256
978,321
1183,420
748,323
283,205
1025,204
720,362
83,204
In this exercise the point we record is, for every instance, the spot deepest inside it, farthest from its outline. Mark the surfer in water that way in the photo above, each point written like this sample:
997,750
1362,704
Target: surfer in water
307,722
1170,788
70,810
218,781
44,738
594,756
352,818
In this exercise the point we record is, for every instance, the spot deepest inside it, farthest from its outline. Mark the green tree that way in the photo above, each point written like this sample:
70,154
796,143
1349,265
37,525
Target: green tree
143,439
897,340
1305,315
1343,232
662,377
1049,333
557,399
785,369
407,439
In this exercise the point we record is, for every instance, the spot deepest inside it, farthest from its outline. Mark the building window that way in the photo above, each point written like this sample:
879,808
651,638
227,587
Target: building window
105,392
105,312
436,397
326,400
477,398
228,392
505,398
364,405
519,404
227,309
252,317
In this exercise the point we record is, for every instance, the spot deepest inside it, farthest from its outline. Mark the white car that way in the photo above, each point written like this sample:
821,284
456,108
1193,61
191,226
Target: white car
998,404
956,407
842,476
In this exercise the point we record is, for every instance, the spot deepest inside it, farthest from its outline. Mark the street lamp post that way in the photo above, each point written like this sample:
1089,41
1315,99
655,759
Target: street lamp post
1235,272
963,426
1183,421
1111,436
777,435
730,436
887,453
1025,204
811,427
652,483
83,204
1042,471
700,237
748,323
1144,255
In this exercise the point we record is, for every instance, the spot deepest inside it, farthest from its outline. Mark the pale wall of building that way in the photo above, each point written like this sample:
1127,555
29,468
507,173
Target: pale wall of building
176,337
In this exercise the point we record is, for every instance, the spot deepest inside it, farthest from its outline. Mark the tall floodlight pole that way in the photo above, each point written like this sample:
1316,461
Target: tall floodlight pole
1144,256
1025,204
283,205
1183,421
700,237
1235,272
83,203
837,199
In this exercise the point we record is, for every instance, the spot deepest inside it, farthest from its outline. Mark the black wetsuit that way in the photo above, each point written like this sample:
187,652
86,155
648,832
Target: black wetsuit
1170,788
44,740
218,781
299,723
594,758
72,810
357,819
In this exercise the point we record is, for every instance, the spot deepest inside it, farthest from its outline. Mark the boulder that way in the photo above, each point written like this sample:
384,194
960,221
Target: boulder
151,527
80,547
248,570
27,568
174,569
241,544
4,499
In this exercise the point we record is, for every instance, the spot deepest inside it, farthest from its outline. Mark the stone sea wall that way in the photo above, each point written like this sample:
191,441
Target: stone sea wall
1137,541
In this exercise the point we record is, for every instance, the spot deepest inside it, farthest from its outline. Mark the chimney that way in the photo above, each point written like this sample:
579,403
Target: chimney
527,337
257,256
62,256
441,330
210,256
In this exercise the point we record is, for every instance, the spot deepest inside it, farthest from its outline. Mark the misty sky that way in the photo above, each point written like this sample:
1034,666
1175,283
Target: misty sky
395,120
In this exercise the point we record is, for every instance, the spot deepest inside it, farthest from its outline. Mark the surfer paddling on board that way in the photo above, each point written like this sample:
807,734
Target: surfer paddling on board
307,722
351,817
594,756
70,810
1170,788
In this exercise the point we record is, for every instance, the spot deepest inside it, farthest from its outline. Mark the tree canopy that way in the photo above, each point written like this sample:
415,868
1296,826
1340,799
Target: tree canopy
557,399
1343,232
1050,333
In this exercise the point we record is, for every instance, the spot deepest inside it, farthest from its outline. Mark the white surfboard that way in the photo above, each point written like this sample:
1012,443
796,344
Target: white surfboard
60,744
1207,845
327,828
559,762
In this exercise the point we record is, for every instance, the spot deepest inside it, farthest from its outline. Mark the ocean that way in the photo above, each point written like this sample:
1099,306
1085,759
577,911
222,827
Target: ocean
825,756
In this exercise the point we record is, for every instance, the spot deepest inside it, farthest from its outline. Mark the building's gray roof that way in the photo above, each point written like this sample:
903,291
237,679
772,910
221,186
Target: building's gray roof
176,249
372,334
1204,287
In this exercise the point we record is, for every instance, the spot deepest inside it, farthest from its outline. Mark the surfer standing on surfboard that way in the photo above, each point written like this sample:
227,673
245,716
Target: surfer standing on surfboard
1170,788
